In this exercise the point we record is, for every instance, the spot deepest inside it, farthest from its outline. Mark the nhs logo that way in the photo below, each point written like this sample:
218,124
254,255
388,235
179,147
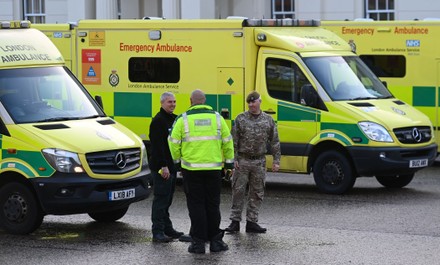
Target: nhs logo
57,35
412,43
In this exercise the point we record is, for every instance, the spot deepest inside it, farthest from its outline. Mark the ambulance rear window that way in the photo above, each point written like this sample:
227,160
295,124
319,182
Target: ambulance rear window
154,70
386,65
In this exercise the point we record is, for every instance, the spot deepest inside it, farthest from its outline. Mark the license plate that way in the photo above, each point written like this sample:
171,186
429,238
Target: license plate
418,163
121,195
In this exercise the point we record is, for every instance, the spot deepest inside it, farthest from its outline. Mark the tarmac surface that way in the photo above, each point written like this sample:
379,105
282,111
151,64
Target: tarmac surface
369,225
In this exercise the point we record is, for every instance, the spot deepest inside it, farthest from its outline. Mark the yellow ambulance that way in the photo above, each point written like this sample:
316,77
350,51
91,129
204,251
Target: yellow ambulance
403,54
60,153
335,118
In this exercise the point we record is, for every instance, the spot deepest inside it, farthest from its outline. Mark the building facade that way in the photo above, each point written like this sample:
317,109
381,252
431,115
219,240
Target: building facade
61,11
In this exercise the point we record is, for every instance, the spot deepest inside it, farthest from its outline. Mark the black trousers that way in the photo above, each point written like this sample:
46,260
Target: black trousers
202,189
163,191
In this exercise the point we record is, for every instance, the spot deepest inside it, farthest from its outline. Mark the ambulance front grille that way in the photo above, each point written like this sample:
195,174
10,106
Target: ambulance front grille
114,161
413,135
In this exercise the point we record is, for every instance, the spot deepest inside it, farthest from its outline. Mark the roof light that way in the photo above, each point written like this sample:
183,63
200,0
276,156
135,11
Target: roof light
25,24
15,24
153,18
285,22
5,24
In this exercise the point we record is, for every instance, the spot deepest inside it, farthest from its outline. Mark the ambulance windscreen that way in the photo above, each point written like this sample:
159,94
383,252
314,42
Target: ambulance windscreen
35,95
346,78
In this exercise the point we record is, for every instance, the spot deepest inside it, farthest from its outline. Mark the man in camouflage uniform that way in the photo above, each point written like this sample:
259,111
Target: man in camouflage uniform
253,130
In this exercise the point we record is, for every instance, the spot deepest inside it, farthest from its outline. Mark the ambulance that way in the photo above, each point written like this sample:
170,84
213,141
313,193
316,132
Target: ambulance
60,153
403,54
335,117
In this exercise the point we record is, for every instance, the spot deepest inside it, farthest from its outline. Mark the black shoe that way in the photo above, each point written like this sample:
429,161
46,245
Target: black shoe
197,247
161,238
185,238
252,227
173,233
217,244
233,227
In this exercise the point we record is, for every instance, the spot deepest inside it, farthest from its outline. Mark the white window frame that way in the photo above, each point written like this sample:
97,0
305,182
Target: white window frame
36,13
377,13
283,13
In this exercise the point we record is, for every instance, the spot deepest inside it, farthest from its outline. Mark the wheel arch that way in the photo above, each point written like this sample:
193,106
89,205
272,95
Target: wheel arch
13,176
325,146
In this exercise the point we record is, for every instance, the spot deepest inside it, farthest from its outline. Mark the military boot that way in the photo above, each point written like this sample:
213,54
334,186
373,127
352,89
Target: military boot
233,227
252,227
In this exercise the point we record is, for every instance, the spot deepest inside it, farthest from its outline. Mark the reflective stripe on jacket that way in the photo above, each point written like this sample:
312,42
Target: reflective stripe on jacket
201,140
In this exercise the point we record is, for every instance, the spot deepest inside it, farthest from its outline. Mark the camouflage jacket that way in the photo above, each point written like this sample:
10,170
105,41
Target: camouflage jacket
253,134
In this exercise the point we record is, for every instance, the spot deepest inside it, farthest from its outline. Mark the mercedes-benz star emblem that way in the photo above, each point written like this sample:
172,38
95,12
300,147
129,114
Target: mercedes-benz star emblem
120,160
417,136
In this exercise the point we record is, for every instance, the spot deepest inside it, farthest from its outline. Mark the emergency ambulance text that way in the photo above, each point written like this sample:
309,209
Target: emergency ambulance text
154,47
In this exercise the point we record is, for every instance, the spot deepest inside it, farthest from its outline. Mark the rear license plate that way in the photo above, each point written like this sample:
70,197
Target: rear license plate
121,195
418,163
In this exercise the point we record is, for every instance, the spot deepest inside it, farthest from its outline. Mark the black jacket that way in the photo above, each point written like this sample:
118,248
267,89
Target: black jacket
160,128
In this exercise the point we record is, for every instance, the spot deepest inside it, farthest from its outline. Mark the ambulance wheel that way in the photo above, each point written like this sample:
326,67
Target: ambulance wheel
398,181
109,216
20,212
333,173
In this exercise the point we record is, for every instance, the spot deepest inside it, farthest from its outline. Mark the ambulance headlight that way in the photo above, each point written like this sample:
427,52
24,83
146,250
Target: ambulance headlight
144,157
375,132
63,161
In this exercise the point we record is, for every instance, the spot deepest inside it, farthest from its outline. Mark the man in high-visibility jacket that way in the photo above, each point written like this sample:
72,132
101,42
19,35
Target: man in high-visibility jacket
201,143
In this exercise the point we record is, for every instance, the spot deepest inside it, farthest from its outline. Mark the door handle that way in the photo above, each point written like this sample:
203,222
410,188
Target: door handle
270,111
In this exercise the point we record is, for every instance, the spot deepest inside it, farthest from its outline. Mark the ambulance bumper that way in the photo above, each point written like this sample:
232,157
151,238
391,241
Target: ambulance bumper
78,193
392,161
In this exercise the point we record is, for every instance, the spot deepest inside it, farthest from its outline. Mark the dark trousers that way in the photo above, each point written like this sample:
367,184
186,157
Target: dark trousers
163,191
202,189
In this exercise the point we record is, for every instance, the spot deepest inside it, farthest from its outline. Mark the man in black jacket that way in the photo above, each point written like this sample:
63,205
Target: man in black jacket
163,171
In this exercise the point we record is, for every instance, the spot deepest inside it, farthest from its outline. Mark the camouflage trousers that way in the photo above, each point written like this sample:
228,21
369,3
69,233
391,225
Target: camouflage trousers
250,177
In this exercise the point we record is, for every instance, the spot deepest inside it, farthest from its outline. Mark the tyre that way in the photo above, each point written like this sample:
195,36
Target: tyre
333,173
109,216
20,212
398,181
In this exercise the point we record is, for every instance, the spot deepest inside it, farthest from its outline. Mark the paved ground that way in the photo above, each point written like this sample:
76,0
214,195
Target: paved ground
370,225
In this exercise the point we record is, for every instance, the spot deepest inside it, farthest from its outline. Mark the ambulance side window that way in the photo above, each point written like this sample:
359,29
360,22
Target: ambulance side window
386,65
154,70
284,79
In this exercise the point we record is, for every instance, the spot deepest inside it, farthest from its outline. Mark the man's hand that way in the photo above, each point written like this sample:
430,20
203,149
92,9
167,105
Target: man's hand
236,166
275,167
228,174
165,172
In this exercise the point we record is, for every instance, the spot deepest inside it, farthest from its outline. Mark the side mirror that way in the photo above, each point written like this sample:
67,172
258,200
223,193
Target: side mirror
309,96
98,100
225,113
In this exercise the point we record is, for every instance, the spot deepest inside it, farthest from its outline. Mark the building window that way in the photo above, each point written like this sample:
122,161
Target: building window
283,9
379,9
34,11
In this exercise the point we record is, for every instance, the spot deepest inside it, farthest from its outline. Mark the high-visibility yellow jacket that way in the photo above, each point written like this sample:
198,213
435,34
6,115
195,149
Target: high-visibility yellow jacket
201,140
